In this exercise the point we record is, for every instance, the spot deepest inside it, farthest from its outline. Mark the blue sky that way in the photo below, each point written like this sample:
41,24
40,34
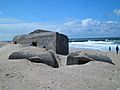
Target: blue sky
75,18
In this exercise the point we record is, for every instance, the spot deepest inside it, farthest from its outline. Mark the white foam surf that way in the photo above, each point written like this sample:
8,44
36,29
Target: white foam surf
94,45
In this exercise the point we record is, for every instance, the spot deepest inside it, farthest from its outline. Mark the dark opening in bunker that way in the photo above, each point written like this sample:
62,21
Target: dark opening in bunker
34,44
44,46
83,61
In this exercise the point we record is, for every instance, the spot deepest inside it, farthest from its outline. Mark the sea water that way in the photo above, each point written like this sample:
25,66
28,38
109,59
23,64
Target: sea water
101,44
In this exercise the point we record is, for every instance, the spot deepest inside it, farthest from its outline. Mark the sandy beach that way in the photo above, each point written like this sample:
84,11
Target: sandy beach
21,74
59,44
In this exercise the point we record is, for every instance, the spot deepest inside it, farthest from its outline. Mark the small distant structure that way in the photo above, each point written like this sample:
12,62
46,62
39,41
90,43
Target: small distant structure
45,39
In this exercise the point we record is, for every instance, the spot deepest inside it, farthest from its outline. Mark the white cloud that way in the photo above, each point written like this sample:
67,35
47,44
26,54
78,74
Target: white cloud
73,28
6,37
90,22
19,28
10,20
91,28
117,12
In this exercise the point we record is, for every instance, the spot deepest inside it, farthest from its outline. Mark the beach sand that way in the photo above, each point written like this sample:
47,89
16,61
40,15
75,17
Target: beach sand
20,74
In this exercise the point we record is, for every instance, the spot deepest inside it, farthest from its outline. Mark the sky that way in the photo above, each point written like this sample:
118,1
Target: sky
74,18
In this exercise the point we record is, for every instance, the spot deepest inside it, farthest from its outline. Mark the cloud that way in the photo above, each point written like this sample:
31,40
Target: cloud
90,22
85,28
117,12
6,37
8,31
91,28
10,20
17,28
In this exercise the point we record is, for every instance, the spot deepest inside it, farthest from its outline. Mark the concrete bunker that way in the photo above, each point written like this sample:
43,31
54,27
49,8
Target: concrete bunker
45,39
77,58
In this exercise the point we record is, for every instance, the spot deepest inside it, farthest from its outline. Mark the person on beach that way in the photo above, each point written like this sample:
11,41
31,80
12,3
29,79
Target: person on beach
109,48
117,49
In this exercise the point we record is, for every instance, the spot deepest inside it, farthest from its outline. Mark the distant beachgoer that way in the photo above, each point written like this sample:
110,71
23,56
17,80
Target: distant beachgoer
117,49
109,48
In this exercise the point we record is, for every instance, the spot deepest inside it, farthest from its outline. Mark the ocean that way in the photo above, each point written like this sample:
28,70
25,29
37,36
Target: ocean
101,44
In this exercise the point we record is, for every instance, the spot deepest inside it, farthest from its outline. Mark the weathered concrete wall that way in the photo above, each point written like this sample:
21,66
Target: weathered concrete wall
47,40
62,44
